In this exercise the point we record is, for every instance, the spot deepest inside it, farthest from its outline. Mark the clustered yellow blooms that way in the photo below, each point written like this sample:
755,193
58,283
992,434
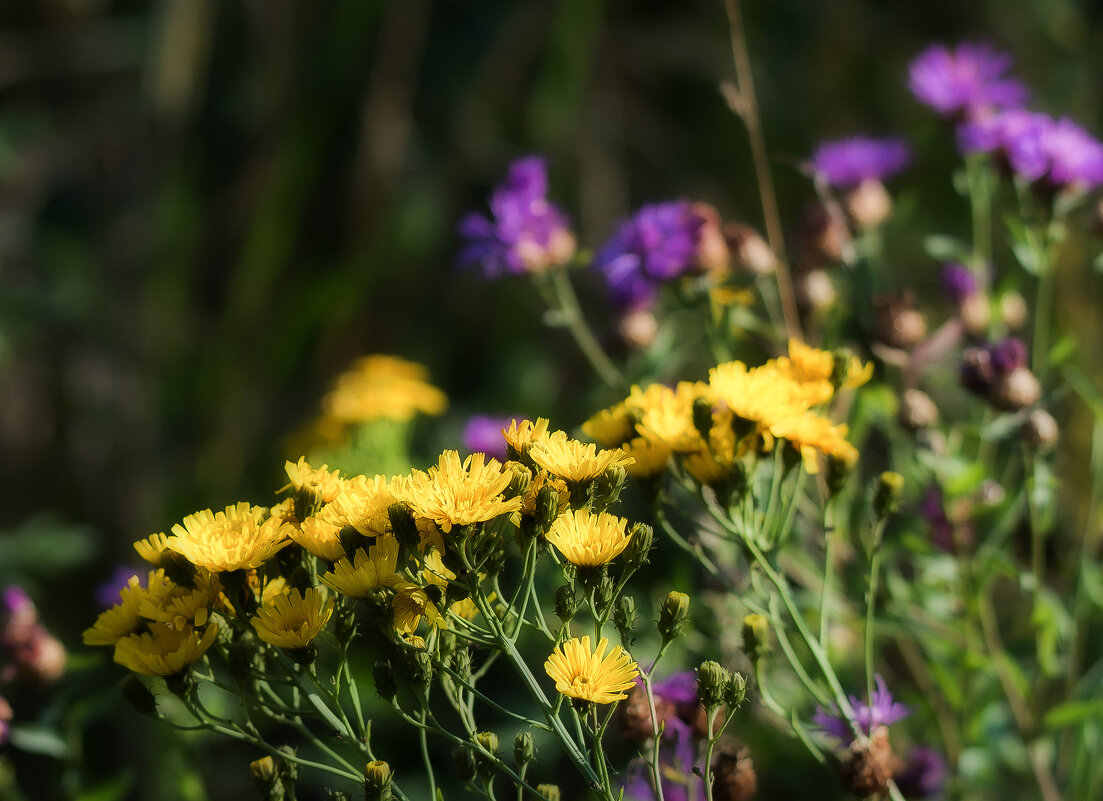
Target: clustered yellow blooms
748,410
391,545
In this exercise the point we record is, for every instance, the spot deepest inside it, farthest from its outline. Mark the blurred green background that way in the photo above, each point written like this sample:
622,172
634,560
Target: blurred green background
209,207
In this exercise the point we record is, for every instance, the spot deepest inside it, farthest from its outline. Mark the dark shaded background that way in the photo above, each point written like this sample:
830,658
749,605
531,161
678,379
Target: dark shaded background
209,207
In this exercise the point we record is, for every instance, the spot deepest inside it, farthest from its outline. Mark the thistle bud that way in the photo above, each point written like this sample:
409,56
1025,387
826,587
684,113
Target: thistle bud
385,685
917,410
641,538
135,693
404,526
887,493
868,204
756,637
815,291
603,594
377,781
734,777
1041,430
823,237
524,748
712,684
673,615
419,668
736,691
549,791
975,312
486,760
638,328
624,618
566,603
1013,310
897,323
749,249
702,417
464,763
519,481
870,766
547,506
607,487
461,664
1018,389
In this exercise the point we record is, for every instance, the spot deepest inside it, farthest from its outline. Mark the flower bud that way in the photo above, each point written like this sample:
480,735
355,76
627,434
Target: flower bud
461,664
134,692
549,791
734,777
887,493
607,487
464,762
486,759
404,526
868,204
712,249
624,618
749,249
823,237
419,668
603,594
638,328
385,685
547,506
6,715
917,410
1018,389
712,684
897,323
977,373
520,479
975,312
1041,430
756,636
267,780
641,538
524,748
377,781
870,766
344,627
673,615
1013,310
566,603
815,291
736,691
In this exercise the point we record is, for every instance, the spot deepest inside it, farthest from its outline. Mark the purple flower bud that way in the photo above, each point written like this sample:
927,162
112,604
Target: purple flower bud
845,163
958,282
1007,354
483,434
923,775
107,592
881,710
964,81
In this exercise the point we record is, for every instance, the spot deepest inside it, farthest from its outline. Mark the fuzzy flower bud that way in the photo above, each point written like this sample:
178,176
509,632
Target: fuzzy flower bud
756,634
404,525
734,777
1041,430
870,767
549,791
377,781
266,778
917,410
566,603
1018,389
641,538
524,748
736,691
712,683
638,327
624,617
463,760
486,764
887,493
607,487
547,506
868,204
673,615
815,291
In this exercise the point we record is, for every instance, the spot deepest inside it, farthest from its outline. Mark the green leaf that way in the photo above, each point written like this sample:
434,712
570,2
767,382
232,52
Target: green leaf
38,739
43,545
946,248
1097,263
1085,388
1073,712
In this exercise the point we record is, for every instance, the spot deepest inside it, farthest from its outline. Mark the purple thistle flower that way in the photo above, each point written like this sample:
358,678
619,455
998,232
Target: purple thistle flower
964,81
845,163
107,592
525,232
923,775
958,281
1007,354
881,711
483,434
657,244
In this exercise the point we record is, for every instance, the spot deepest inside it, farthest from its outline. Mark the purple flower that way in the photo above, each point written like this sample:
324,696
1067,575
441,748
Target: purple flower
958,281
965,81
657,244
107,592
845,163
524,233
6,715
881,711
1007,354
923,775
483,434
677,756
1037,147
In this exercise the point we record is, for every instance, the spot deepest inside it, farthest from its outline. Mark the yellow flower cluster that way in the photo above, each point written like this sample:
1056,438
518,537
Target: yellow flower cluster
709,425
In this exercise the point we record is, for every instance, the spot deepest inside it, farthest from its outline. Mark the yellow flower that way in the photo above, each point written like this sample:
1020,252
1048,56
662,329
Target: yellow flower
373,570
650,457
806,364
320,536
363,505
811,434
522,434
705,467
589,540
455,493
294,619
383,387
544,479
321,482
611,427
167,602
239,537
574,461
152,548
764,395
592,676
410,604
164,651
120,620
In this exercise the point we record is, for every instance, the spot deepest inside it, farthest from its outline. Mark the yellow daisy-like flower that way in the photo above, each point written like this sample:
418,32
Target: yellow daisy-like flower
120,620
164,651
383,387
764,395
575,461
589,675
806,364
294,619
611,427
166,602
363,504
544,479
705,467
237,538
522,434
411,603
369,571
651,457
320,536
589,540
321,482
152,548
455,493
811,434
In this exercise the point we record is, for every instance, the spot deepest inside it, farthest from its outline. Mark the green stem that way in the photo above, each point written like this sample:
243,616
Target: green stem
423,741
656,728
871,603
556,287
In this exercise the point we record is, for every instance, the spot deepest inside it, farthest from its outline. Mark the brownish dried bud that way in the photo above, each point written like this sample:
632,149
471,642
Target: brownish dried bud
823,237
734,777
868,204
1013,310
975,313
917,410
870,767
712,251
638,328
1041,430
897,323
749,250
815,291
1018,389
635,721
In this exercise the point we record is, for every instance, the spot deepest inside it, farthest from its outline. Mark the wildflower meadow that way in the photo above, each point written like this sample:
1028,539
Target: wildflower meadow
660,462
